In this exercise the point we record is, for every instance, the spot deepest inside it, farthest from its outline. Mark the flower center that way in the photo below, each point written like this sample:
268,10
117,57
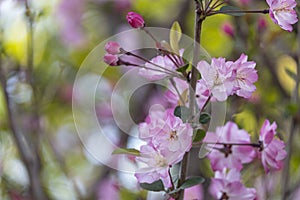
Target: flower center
173,135
224,196
227,150
160,161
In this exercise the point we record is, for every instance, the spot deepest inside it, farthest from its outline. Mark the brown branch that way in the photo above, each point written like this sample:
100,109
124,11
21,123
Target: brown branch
197,36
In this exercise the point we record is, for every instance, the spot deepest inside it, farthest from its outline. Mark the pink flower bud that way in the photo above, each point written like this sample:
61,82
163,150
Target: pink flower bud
262,24
228,29
111,60
245,2
112,48
135,20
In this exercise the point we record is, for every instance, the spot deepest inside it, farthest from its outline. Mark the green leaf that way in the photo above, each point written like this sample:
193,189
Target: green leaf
183,68
155,186
231,10
199,135
182,112
133,152
190,182
175,36
166,46
291,74
204,118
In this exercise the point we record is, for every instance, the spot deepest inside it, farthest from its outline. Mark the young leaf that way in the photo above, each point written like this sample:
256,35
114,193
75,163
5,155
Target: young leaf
182,112
133,152
204,118
231,10
199,135
155,186
183,68
175,36
192,182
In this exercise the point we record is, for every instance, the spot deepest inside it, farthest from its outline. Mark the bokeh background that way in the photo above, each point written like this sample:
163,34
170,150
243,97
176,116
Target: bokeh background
43,44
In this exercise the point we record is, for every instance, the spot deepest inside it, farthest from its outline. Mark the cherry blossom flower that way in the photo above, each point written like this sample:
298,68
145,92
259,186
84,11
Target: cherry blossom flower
228,155
245,76
175,138
111,59
135,20
272,149
167,133
153,124
159,68
157,166
282,13
216,77
228,186
112,48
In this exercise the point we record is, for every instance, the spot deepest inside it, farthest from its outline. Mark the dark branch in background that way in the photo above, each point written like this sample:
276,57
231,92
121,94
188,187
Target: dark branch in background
183,14
293,124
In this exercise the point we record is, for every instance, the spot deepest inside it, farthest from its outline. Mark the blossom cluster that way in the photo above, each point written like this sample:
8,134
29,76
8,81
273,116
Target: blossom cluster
231,148
168,139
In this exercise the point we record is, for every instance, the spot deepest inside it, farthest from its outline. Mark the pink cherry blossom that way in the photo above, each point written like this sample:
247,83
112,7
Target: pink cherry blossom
282,13
228,29
157,166
135,20
227,185
158,68
175,138
227,155
153,124
167,133
245,76
216,77
110,59
112,48
272,149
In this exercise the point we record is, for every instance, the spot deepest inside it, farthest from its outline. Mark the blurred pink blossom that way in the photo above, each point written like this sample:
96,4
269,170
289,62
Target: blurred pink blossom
228,185
229,156
282,13
69,15
228,29
108,189
272,150
135,20
262,24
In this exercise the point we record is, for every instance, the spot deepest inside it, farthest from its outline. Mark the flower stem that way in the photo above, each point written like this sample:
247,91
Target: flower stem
266,11
197,36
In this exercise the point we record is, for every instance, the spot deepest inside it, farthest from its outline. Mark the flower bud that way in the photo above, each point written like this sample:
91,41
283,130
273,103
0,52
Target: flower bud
111,59
135,20
112,48
262,24
228,29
